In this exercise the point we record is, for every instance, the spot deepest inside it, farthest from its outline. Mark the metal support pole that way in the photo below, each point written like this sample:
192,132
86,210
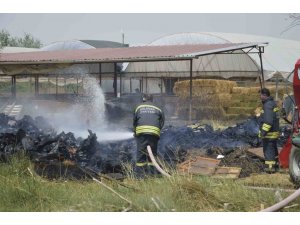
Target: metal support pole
115,80
260,82
191,90
120,84
276,95
82,84
161,85
261,49
100,74
48,85
142,85
56,87
13,86
36,85
77,89
30,84
65,85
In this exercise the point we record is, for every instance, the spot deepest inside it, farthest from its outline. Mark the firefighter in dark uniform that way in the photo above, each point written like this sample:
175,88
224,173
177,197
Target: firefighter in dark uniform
269,130
148,120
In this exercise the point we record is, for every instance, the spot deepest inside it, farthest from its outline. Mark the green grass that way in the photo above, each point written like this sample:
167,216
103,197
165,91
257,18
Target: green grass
26,87
21,190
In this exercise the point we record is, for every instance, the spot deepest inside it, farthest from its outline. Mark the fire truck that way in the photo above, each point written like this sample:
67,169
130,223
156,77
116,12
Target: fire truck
289,156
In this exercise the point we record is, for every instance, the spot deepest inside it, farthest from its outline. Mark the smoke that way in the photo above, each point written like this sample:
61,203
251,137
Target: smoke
88,112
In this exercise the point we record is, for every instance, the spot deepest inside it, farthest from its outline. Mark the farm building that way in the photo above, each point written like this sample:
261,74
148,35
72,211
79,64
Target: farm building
278,59
59,71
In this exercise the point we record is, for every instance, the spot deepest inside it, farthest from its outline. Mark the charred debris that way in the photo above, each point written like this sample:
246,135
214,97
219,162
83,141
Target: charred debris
57,155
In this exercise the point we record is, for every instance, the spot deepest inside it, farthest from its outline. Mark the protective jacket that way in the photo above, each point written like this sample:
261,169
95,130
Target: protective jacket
270,119
148,119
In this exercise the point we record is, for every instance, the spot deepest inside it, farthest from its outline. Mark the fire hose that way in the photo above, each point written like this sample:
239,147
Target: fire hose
283,203
155,163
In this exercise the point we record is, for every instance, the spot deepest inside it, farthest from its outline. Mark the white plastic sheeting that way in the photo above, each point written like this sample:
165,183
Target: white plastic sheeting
223,65
66,45
279,56
189,38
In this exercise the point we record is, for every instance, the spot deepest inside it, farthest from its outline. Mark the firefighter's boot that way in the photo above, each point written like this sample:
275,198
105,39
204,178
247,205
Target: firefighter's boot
270,166
140,170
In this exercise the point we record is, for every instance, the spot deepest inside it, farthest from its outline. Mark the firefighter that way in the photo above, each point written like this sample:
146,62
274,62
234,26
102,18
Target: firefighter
148,120
269,130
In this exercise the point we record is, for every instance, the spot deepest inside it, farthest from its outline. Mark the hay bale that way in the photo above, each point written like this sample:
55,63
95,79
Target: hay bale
241,90
221,99
240,110
202,112
203,86
245,97
210,100
254,90
281,90
236,116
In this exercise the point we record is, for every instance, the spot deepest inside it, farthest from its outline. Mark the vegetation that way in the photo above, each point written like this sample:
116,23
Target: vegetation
21,189
27,41
44,87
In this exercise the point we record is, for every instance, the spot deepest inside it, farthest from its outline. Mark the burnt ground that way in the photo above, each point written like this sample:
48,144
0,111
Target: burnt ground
63,153
246,161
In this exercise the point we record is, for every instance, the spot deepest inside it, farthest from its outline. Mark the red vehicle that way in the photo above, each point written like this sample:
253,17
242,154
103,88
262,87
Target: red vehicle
289,157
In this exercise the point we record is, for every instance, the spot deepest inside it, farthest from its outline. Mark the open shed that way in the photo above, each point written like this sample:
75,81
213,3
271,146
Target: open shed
71,63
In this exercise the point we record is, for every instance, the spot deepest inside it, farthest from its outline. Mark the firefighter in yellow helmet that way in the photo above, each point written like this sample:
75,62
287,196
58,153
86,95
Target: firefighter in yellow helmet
148,120
269,130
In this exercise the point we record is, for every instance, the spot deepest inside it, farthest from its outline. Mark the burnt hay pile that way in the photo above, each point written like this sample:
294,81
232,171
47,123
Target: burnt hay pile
49,150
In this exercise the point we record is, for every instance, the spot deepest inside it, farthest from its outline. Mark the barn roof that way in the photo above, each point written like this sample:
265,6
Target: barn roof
130,54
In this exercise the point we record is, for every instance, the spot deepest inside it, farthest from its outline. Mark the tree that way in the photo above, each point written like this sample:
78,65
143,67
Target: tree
28,41
4,38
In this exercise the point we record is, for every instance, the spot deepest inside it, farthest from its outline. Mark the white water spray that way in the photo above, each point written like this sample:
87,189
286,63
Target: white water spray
96,103
96,115
89,113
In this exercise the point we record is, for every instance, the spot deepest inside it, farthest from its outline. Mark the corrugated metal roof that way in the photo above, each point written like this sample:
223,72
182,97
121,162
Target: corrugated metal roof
142,53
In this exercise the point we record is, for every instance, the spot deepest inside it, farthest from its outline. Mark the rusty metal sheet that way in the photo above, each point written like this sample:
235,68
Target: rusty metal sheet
140,53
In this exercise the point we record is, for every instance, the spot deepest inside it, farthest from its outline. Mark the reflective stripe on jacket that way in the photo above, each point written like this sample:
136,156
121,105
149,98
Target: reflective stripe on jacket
270,119
148,119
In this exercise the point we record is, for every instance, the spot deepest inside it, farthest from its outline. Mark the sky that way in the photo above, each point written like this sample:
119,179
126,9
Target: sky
142,28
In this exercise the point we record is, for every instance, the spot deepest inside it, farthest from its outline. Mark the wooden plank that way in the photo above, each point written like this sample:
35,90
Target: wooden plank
198,165
201,170
227,176
227,172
